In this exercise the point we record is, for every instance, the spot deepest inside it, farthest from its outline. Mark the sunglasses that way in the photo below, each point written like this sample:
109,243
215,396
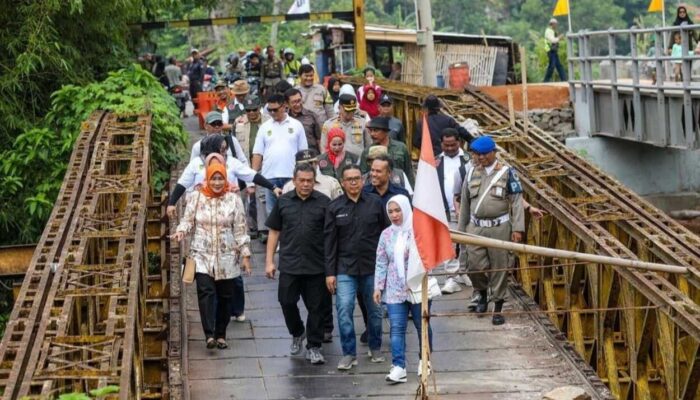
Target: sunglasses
273,110
217,124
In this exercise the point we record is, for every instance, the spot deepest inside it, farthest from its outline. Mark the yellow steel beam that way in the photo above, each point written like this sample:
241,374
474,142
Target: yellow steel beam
358,8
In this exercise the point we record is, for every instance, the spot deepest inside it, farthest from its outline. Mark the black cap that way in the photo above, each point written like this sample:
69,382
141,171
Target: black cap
307,155
348,101
385,99
431,102
251,103
379,123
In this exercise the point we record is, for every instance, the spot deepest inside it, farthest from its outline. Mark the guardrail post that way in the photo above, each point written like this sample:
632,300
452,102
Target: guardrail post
612,52
687,66
660,98
569,55
636,96
585,50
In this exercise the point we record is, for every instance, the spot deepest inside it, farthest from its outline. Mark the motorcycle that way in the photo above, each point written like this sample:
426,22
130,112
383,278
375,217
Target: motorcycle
255,86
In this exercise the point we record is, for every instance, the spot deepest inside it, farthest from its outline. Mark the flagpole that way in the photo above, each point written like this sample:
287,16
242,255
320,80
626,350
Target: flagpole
663,13
568,13
425,342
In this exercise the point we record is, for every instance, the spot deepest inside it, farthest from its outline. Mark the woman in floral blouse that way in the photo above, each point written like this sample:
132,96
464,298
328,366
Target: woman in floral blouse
390,283
220,247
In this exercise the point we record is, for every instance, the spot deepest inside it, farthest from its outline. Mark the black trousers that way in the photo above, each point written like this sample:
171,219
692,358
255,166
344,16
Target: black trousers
215,299
238,301
328,313
312,289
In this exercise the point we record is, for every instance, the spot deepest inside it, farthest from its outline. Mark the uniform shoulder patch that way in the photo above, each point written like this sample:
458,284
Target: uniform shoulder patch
514,185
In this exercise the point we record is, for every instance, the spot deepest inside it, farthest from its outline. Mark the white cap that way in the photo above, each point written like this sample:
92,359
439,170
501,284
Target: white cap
305,61
553,21
194,50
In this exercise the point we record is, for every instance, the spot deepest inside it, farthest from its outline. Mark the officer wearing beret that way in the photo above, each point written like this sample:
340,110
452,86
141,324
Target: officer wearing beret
357,138
491,206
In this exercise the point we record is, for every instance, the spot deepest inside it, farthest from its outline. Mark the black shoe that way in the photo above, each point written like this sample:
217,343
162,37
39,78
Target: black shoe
263,238
211,343
363,337
327,337
497,317
483,303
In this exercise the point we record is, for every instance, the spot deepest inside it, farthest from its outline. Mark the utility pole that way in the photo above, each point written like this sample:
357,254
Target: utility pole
358,9
424,38
275,25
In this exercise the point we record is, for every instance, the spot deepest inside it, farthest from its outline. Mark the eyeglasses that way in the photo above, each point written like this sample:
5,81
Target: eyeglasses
353,179
217,124
251,111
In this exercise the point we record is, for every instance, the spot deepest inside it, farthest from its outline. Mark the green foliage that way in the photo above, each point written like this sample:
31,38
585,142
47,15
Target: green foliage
95,393
33,168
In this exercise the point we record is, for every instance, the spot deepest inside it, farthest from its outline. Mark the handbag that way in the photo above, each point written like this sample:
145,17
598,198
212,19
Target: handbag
190,264
416,296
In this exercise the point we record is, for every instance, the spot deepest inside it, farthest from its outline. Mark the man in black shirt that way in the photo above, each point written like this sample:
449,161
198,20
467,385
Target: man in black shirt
379,182
297,222
437,122
354,222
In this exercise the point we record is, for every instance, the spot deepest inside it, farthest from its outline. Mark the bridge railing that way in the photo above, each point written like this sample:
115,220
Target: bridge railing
630,67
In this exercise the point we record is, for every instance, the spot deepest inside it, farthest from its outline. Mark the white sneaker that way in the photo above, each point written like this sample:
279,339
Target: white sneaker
240,318
396,375
465,279
420,368
459,279
451,286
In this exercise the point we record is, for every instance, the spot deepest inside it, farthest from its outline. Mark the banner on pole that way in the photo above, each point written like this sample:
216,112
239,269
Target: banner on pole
562,8
656,6
300,7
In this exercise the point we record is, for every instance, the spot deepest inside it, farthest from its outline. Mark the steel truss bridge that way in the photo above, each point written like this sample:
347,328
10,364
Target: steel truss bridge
101,302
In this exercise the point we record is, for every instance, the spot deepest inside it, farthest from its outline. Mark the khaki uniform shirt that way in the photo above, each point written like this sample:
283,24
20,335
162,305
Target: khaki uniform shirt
501,199
324,184
356,137
327,168
241,128
317,99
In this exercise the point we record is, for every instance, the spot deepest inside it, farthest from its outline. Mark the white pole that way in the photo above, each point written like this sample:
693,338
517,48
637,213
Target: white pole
426,25
568,13
663,13
467,238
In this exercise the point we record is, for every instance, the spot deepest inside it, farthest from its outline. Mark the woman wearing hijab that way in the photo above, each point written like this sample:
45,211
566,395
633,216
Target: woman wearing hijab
390,285
220,248
335,158
370,101
334,88
682,18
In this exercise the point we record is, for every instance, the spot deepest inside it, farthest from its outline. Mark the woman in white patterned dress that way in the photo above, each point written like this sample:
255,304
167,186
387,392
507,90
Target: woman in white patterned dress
220,247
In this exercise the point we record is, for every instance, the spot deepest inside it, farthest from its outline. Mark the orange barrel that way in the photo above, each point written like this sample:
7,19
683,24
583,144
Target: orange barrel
459,75
205,103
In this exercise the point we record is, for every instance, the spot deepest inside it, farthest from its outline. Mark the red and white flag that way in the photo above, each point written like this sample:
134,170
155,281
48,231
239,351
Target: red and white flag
300,7
430,224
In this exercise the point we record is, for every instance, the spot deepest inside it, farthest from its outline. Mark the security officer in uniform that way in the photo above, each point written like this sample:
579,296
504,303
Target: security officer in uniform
272,71
353,125
314,95
491,206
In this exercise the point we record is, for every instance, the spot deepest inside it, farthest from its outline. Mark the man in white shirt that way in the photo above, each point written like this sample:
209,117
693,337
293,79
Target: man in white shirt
276,143
448,163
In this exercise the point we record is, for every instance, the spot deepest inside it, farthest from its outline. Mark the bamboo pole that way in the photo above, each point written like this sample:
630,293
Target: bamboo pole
425,343
523,78
467,238
511,109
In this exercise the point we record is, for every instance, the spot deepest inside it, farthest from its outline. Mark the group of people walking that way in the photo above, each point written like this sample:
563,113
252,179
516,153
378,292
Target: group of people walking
339,223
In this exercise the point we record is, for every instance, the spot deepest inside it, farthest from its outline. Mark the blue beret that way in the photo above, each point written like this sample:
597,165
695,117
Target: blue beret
483,145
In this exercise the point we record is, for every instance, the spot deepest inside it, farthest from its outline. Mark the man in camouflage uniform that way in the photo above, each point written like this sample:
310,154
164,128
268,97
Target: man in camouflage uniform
354,126
315,97
378,129
491,206
272,71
